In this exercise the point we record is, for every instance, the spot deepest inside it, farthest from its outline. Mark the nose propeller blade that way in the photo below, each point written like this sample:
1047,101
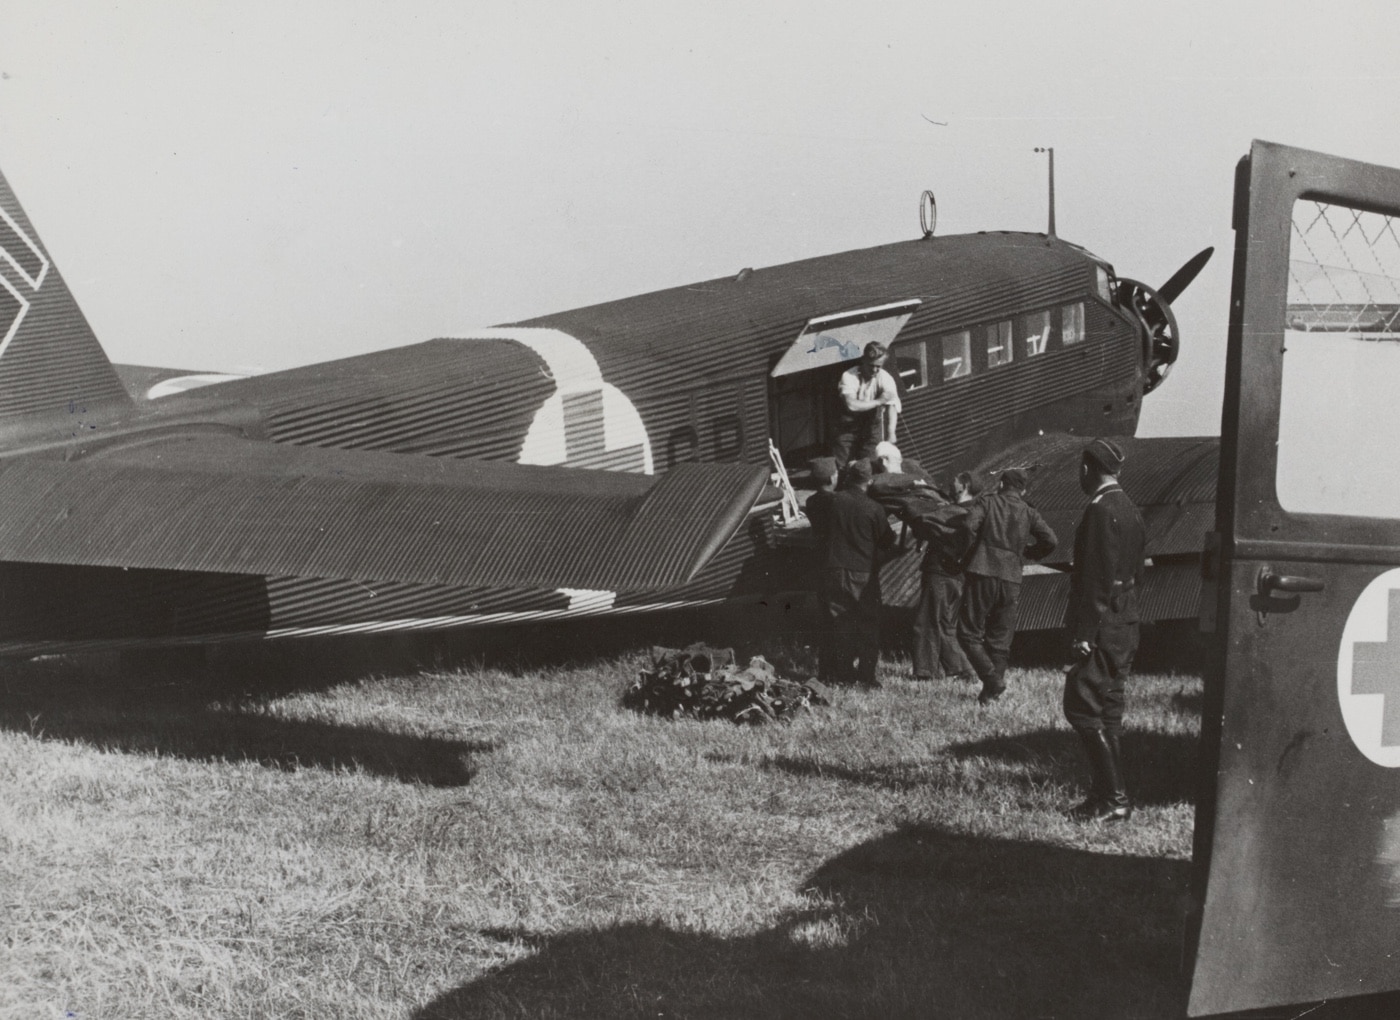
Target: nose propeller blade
1182,278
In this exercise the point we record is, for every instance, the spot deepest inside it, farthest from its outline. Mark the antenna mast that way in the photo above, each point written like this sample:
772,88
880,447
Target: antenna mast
1051,153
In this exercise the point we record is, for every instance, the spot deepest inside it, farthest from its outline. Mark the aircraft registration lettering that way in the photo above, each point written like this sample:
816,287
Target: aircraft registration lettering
1368,671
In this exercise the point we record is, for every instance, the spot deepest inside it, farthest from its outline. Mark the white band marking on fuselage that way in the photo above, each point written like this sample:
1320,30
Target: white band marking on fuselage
182,383
575,372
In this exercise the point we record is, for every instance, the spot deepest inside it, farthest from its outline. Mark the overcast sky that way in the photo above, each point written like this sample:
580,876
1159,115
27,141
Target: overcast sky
261,185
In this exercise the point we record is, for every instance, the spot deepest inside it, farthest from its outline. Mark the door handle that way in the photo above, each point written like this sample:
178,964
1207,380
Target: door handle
1270,582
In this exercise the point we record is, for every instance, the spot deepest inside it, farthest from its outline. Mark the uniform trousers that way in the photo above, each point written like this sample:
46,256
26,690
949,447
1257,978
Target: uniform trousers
1094,688
850,648
987,624
936,627
857,436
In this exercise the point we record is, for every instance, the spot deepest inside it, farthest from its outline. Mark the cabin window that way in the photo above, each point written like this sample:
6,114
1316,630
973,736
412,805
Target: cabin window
957,355
911,365
1072,323
1035,333
998,344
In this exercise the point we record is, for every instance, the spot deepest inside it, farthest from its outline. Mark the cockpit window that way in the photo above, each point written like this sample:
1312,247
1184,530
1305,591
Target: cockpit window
1105,284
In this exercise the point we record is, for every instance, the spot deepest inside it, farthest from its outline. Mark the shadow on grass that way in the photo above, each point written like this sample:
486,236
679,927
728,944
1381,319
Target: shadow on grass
919,923
1160,767
212,713
209,704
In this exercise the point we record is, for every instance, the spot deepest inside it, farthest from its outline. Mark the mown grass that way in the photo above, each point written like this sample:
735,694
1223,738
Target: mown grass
308,834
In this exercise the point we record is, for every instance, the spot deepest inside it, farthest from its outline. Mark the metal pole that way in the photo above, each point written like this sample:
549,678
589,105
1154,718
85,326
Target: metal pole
1051,153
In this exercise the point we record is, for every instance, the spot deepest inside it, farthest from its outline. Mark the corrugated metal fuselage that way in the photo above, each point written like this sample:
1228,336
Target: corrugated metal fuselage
639,384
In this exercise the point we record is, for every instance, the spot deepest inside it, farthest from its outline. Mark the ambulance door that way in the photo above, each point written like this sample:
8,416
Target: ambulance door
1297,855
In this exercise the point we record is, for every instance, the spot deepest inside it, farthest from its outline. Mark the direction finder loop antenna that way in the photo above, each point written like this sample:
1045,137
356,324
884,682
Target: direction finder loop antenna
928,213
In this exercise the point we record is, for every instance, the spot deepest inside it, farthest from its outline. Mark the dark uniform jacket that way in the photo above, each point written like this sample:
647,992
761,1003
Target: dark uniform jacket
817,508
853,531
940,525
1108,565
1001,530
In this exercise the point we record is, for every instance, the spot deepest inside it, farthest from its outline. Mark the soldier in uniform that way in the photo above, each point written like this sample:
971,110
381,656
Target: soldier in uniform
940,594
855,539
999,531
817,507
1102,619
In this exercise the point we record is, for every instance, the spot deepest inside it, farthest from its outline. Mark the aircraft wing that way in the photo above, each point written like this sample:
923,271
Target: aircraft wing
216,502
1172,481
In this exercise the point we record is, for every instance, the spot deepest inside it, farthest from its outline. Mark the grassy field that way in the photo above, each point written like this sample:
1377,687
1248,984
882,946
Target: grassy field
321,832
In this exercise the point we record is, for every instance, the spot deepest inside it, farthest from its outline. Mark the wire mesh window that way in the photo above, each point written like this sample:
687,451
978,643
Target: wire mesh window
1341,364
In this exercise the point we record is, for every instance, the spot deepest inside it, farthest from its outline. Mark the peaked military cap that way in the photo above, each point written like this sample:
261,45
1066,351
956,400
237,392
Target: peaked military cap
1107,454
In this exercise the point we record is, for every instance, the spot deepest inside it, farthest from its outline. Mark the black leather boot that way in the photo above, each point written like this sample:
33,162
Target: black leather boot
1118,807
1108,797
1096,755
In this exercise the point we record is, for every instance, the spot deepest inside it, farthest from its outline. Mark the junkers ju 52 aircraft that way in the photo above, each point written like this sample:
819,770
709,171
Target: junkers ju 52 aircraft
612,459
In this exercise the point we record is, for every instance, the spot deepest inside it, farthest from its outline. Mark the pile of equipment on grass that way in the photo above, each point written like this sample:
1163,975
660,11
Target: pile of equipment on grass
705,683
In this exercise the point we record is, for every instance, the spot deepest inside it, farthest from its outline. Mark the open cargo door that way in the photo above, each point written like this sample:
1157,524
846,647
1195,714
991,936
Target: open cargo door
1297,855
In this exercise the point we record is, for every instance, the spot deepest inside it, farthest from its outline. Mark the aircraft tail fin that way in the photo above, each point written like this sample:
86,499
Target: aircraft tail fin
50,361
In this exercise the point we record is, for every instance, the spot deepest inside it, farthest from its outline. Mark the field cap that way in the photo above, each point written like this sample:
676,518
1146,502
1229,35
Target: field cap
858,472
823,469
1106,454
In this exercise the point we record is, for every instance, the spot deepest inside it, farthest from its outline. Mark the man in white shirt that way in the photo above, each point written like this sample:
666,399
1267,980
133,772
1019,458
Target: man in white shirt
869,407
